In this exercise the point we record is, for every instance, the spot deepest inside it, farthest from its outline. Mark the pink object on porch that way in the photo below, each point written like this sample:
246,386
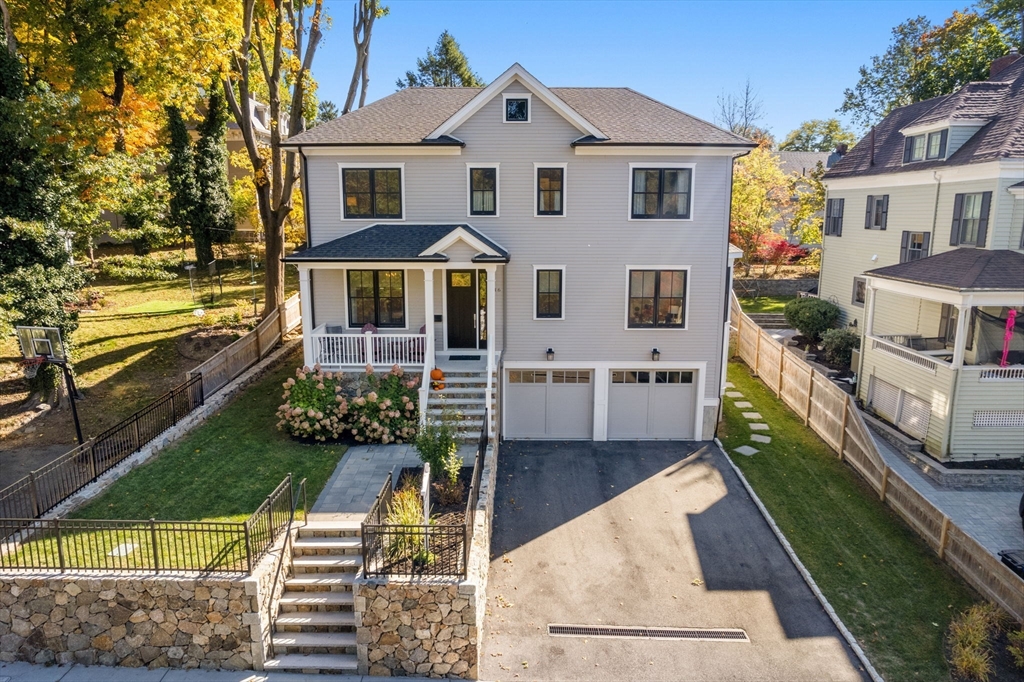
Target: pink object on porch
1011,322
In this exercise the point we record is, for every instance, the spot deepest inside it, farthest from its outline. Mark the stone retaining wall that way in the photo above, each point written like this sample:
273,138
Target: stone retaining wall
429,627
139,620
773,287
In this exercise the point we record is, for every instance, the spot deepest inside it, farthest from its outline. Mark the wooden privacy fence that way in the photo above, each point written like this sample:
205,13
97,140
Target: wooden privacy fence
832,414
250,349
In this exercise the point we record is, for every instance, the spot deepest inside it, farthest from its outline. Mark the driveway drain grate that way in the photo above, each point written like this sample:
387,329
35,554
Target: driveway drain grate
693,634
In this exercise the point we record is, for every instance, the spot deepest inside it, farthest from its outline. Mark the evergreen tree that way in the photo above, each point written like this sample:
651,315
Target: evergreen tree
444,66
181,173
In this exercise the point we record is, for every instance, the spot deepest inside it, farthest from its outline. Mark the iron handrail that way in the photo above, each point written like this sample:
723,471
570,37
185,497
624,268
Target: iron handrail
284,551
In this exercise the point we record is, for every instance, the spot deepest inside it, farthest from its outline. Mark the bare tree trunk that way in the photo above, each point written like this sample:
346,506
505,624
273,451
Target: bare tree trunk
12,44
364,14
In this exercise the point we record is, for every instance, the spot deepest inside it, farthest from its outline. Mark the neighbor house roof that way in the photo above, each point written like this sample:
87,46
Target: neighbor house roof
802,163
996,104
961,269
396,243
625,116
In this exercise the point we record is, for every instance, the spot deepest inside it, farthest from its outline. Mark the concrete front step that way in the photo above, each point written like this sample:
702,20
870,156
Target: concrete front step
320,582
292,602
317,619
326,563
321,529
314,663
305,546
327,642
467,412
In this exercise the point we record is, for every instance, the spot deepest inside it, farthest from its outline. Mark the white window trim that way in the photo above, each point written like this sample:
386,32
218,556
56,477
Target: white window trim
548,267
924,148
528,96
686,299
405,298
928,145
370,166
536,188
660,164
469,189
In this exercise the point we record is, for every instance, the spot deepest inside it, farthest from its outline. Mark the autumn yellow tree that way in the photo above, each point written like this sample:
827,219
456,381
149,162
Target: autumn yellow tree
761,194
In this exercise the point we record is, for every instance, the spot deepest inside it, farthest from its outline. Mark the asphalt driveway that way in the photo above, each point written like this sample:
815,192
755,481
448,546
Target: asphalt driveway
643,534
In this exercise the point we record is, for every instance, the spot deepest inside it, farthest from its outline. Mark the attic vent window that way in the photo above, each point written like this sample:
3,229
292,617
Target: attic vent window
517,110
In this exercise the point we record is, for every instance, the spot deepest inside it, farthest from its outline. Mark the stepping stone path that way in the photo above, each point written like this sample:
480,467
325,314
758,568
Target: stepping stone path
754,422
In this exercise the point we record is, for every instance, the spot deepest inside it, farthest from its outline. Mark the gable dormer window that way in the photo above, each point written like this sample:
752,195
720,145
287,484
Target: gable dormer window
517,108
925,146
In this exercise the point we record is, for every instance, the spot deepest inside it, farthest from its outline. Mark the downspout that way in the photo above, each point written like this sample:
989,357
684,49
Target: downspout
935,212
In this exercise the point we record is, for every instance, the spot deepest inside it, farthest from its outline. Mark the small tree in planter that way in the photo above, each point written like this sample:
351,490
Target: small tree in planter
388,412
313,406
438,447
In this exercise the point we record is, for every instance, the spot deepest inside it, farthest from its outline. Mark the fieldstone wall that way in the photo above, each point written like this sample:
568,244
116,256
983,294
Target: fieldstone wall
773,287
429,627
139,620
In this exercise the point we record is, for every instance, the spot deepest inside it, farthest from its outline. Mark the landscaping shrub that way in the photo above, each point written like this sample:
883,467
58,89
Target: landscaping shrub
130,268
406,510
811,316
313,406
839,345
970,640
388,412
1016,646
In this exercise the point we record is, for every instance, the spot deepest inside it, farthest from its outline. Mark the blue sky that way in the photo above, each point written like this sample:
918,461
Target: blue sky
799,56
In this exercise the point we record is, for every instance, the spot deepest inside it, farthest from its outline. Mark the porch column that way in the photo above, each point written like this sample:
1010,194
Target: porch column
428,313
960,342
306,304
869,310
491,279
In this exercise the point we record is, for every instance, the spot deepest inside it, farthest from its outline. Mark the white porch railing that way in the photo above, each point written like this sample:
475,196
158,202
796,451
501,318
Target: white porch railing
989,373
902,352
359,350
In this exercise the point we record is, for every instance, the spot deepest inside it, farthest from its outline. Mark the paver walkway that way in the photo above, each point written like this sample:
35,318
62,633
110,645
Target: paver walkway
990,517
357,479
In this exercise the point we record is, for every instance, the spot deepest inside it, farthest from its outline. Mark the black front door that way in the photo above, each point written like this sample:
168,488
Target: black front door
462,306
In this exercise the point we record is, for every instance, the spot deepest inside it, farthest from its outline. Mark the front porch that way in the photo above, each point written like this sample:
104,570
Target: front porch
941,360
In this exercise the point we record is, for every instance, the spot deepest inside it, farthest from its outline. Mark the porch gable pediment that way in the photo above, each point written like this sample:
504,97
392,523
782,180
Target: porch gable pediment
461,235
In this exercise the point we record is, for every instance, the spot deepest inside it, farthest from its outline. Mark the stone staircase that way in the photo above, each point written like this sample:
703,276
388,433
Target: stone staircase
314,631
769,320
465,392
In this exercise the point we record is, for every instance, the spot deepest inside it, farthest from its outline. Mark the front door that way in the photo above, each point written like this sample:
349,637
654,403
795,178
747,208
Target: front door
462,308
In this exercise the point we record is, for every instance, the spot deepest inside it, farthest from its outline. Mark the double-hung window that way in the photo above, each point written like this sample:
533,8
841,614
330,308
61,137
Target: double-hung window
483,191
376,297
860,291
914,246
661,193
550,285
877,214
372,192
914,148
834,217
937,145
657,298
970,219
550,191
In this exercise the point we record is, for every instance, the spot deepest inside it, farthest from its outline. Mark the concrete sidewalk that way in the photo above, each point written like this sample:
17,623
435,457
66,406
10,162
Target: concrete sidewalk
27,672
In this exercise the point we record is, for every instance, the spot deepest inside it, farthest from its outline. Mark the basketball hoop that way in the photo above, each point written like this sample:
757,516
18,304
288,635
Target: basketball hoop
31,366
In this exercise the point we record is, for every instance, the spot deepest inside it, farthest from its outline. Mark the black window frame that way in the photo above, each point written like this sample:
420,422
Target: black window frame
560,293
372,194
472,190
656,300
660,193
834,217
376,298
526,104
560,191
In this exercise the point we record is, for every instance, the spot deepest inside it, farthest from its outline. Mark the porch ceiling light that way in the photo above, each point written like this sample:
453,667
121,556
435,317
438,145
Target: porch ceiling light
655,354
551,353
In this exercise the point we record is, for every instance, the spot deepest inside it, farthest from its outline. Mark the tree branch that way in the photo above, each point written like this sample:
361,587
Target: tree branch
12,43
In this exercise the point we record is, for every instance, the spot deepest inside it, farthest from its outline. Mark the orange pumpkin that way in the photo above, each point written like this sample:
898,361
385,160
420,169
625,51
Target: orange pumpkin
436,374
437,385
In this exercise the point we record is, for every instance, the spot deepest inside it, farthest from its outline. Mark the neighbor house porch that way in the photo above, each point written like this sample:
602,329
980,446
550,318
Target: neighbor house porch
939,359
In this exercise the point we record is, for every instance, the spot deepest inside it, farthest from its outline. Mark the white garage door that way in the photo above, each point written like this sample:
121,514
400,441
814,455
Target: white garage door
644,404
556,403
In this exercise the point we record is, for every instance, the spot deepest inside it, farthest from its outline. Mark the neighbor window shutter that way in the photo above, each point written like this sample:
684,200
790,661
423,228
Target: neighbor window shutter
839,220
942,144
867,212
828,218
986,202
925,243
908,149
904,245
885,211
954,232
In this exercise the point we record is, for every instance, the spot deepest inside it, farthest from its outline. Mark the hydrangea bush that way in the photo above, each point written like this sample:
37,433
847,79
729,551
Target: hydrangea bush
314,406
388,411
385,409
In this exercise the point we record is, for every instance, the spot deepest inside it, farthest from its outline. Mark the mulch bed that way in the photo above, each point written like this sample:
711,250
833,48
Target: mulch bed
443,515
203,343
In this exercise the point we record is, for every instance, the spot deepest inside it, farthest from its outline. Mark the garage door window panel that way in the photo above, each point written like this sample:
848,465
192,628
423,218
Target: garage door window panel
657,299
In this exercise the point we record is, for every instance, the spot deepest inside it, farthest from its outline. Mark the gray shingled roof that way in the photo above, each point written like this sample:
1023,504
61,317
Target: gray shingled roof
391,242
625,116
962,269
802,163
1000,101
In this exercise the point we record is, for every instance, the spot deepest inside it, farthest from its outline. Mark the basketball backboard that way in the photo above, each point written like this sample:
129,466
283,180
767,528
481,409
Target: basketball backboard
45,341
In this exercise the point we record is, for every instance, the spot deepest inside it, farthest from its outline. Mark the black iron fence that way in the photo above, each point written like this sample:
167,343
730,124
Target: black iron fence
51,484
140,546
422,550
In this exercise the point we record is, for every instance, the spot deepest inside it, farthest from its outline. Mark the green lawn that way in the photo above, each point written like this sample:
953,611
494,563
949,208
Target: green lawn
890,590
765,304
